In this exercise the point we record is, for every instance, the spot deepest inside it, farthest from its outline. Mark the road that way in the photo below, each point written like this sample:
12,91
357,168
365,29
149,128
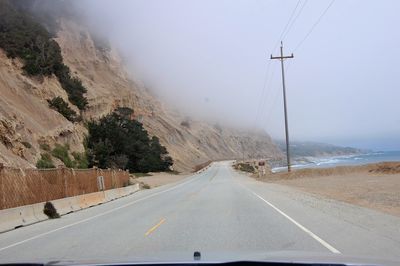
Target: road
218,211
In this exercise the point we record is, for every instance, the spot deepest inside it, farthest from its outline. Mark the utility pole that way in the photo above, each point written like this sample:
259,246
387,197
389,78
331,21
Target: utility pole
241,142
284,103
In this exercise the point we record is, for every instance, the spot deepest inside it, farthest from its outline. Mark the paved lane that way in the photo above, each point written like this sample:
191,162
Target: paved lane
218,210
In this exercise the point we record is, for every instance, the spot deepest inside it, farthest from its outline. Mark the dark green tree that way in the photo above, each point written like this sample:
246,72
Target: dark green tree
63,108
117,141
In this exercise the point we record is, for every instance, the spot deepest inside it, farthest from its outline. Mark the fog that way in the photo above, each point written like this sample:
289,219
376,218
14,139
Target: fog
210,59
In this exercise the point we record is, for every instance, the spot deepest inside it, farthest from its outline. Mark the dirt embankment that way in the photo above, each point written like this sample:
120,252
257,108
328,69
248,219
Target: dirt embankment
375,186
153,180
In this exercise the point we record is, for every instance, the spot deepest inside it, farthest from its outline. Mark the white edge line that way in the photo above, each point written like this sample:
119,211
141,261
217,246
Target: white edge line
98,215
320,240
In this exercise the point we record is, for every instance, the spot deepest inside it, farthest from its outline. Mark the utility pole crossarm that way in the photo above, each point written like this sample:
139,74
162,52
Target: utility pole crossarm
282,57
284,103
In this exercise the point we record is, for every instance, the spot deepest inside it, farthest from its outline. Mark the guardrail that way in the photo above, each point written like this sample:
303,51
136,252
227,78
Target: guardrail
29,214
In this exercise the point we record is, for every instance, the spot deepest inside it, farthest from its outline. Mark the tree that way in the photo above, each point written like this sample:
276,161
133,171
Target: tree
63,108
117,141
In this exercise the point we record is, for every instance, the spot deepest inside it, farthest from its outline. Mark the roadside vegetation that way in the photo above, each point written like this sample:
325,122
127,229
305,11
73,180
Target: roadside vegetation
21,36
44,146
45,161
50,211
26,144
61,152
58,104
245,167
141,174
118,141
115,141
78,160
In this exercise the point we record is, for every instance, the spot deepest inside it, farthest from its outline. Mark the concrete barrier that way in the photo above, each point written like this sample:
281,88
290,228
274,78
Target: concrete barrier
111,194
82,202
29,214
63,206
93,199
38,211
75,204
10,219
134,188
21,216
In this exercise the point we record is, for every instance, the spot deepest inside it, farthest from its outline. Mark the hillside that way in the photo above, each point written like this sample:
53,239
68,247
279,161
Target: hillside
316,149
28,125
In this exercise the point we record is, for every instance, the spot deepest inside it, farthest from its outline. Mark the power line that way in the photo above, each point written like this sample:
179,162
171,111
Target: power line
286,26
314,25
262,93
271,107
294,20
269,88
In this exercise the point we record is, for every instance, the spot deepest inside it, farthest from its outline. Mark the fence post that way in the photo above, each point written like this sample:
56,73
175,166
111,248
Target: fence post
113,182
64,178
2,204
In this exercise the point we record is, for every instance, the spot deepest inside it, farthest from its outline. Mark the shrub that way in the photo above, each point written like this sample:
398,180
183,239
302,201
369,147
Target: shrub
145,186
174,172
81,160
141,174
63,108
245,167
185,124
45,161
27,144
50,210
44,146
61,152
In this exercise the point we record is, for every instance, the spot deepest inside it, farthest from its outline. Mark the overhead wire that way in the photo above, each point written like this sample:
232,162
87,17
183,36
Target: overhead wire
286,26
313,26
299,44
294,20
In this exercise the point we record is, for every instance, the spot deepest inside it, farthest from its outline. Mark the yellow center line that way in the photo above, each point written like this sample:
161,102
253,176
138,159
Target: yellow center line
155,227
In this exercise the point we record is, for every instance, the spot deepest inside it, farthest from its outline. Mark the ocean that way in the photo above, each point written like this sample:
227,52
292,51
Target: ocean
359,159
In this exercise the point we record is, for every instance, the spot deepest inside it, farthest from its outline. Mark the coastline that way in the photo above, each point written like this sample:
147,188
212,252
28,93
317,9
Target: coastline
341,160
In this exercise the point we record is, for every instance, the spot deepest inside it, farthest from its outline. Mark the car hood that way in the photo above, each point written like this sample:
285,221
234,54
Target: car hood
223,257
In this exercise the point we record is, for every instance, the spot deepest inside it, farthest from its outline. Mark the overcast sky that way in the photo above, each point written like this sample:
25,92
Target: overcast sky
210,58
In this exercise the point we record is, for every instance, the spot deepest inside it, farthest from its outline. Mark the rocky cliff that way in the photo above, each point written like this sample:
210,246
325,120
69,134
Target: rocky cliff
28,125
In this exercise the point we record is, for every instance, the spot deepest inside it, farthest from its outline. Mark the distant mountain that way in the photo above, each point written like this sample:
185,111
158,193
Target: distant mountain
315,149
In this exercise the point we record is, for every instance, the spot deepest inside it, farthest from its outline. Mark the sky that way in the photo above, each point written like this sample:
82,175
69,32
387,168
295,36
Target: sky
210,60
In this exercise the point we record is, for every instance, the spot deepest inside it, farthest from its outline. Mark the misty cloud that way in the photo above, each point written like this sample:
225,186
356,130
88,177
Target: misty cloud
209,59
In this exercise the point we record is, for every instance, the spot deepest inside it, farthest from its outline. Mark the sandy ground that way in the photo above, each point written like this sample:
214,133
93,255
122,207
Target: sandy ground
376,186
159,179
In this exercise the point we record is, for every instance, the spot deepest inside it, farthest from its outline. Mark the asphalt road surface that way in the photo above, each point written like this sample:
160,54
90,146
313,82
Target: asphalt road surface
219,211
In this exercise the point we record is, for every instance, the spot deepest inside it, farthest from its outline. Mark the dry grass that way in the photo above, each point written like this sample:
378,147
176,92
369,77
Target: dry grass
374,168
374,186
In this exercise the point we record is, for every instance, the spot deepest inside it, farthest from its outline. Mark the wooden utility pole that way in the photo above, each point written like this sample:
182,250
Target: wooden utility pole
284,103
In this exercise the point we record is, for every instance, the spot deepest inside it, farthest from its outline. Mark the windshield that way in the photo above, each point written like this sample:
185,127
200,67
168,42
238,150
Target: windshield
242,130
